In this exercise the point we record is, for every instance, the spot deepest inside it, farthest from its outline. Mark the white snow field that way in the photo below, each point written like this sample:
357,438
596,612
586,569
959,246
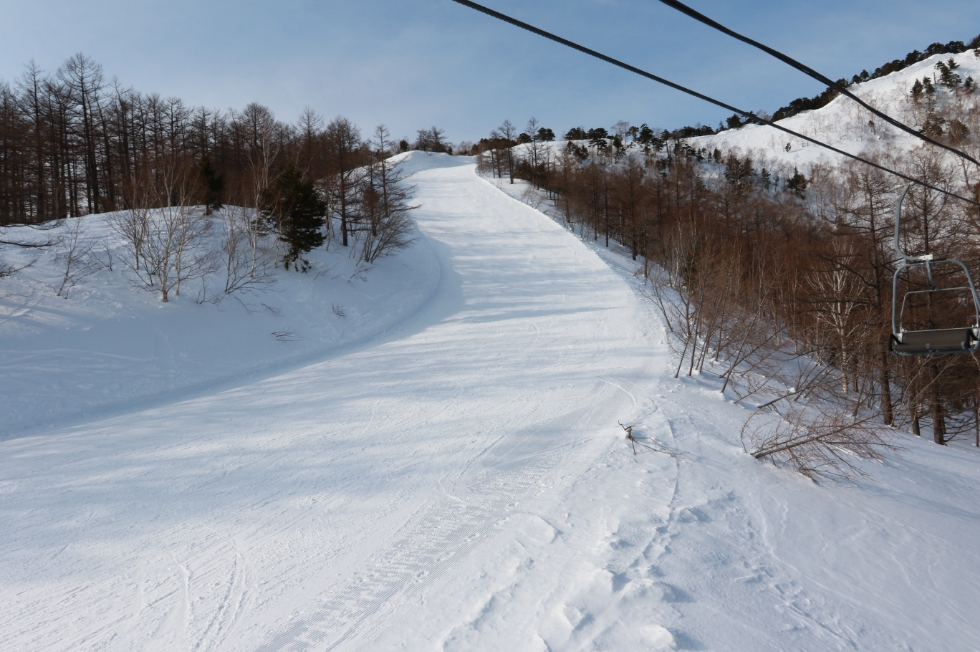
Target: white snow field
460,482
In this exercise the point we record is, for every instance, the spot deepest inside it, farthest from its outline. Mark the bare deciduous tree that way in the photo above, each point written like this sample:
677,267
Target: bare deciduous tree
384,204
245,258
74,252
174,231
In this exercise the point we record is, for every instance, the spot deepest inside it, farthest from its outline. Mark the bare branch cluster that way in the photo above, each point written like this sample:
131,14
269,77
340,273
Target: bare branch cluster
830,445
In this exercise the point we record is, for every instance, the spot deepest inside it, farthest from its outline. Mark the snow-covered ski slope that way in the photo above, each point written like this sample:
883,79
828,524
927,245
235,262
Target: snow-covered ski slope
461,483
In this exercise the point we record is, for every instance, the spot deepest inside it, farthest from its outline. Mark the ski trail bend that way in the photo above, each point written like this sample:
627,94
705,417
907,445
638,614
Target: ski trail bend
453,486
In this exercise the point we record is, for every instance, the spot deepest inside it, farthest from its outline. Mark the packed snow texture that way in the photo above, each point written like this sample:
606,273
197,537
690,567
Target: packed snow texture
458,482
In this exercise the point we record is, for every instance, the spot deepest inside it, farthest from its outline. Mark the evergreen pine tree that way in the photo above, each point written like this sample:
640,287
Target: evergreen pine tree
798,183
646,135
544,135
212,183
917,89
597,138
296,209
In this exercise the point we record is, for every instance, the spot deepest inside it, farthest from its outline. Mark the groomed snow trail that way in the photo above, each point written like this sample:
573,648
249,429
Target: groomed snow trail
390,496
460,483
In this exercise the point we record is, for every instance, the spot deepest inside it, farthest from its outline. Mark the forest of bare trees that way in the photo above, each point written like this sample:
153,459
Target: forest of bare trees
764,273
73,143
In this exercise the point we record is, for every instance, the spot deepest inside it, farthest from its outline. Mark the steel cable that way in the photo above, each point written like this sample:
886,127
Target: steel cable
747,114
701,18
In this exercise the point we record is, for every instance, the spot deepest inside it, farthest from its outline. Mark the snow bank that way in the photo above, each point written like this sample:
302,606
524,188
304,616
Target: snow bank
111,347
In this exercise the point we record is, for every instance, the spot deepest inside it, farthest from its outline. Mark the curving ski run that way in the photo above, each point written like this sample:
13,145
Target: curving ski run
461,483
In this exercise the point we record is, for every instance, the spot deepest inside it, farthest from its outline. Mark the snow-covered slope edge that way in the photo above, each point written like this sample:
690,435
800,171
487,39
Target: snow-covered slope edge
112,347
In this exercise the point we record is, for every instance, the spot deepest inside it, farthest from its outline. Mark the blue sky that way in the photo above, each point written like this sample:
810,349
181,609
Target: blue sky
417,63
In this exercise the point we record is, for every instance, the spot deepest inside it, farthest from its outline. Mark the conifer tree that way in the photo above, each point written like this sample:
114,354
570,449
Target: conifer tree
597,138
646,136
798,183
212,183
296,209
917,89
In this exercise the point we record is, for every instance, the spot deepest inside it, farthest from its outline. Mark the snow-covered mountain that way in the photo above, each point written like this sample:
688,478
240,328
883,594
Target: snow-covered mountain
842,123
848,126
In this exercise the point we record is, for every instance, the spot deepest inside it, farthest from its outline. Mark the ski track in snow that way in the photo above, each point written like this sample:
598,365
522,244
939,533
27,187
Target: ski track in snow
462,484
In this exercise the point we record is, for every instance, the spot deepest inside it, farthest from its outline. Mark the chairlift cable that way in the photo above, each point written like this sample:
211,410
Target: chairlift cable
747,114
701,18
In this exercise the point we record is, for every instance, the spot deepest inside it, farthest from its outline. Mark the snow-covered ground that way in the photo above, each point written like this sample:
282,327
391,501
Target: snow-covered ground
112,345
460,482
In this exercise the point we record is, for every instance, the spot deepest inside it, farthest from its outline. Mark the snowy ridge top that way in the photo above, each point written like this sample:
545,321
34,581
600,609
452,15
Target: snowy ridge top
848,126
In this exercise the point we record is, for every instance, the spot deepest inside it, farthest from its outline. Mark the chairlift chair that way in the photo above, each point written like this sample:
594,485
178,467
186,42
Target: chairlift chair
941,341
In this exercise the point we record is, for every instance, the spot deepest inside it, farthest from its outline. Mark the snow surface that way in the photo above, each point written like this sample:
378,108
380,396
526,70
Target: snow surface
111,345
460,482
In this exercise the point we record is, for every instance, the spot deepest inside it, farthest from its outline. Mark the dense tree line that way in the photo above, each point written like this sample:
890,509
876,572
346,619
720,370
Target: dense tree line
73,143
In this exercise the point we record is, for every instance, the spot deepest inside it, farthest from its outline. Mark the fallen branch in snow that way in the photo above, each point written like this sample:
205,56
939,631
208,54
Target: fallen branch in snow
825,446
644,441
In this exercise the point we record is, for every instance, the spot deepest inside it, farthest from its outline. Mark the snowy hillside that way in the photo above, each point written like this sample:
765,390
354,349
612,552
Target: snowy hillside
842,123
113,345
846,125
459,482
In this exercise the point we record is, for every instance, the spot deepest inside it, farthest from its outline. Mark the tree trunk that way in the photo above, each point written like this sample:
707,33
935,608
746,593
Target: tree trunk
936,408
884,379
